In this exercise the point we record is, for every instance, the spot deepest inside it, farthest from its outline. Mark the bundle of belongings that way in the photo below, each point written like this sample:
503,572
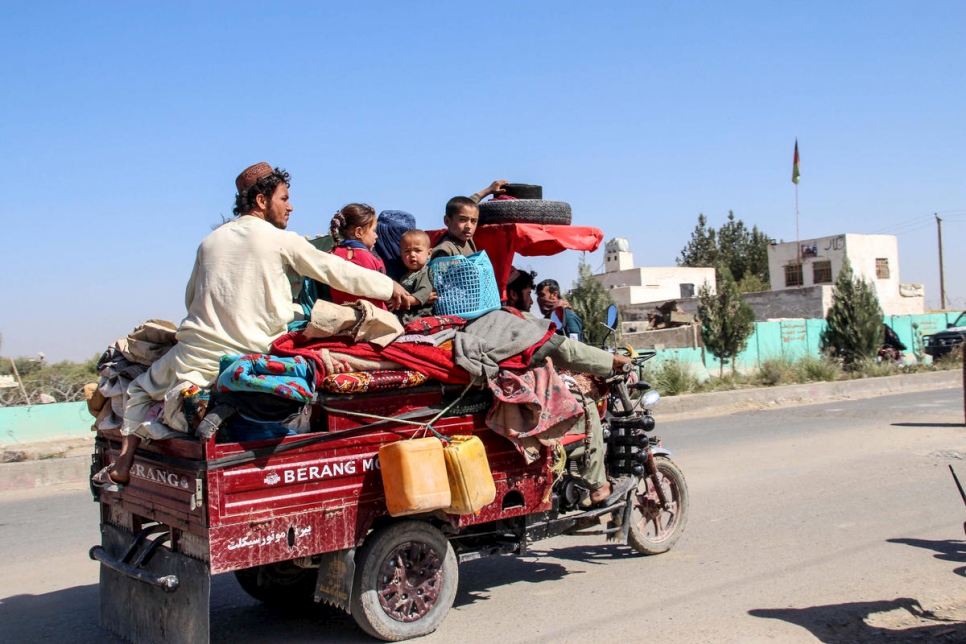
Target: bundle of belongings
121,363
511,355
358,348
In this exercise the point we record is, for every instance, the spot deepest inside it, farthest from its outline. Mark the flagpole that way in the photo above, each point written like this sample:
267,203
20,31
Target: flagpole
798,241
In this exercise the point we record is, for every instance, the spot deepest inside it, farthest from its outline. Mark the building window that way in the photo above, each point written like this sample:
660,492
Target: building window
793,275
822,272
687,290
882,268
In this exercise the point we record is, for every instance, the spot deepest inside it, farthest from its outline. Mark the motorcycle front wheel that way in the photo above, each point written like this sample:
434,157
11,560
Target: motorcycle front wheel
655,529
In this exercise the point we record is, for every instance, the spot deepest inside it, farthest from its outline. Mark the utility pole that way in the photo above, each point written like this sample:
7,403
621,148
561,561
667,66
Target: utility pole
16,374
942,279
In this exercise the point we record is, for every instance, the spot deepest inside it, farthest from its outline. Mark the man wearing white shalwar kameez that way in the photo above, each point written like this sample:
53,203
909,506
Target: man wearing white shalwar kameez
239,300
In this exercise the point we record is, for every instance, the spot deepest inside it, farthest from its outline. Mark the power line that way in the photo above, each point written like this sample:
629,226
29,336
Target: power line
952,214
911,229
904,224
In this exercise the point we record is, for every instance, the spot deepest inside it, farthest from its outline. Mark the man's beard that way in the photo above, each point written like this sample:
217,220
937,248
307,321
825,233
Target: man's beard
278,220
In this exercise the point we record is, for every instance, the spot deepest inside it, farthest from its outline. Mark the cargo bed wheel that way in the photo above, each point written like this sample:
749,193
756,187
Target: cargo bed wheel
406,577
280,585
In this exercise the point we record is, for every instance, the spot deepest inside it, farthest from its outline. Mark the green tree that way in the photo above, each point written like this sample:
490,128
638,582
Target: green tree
727,321
853,324
702,249
590,300
756,253
733,246
743,251
752,284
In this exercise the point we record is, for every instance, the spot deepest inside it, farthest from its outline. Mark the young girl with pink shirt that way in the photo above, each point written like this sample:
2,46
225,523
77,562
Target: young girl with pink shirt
354,230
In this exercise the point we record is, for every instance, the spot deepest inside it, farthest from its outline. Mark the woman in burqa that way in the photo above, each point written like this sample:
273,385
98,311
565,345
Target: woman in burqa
390,226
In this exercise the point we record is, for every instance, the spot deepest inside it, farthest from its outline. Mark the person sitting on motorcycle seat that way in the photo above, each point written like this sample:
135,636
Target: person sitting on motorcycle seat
583,358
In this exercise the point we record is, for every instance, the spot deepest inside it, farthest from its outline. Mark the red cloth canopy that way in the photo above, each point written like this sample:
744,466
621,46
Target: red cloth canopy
502,241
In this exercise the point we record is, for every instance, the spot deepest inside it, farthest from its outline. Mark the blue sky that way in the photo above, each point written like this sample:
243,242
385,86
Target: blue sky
123,125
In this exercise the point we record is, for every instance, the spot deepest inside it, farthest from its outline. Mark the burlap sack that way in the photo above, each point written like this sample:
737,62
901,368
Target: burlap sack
361,321
95,399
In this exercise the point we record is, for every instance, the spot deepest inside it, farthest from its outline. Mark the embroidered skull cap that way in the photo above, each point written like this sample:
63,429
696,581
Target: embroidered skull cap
251,174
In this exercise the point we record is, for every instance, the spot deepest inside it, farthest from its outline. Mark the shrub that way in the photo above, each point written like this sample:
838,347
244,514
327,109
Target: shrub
727,382
952,360
814,369
872,368
63,381
674,377
776,371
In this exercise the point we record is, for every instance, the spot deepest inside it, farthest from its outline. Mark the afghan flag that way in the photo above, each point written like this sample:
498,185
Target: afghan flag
796,169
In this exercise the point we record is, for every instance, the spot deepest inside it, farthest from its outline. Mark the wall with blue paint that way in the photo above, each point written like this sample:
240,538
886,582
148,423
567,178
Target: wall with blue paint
795,339
36,423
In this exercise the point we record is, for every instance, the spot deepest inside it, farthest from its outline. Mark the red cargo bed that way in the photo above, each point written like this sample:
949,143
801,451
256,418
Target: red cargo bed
302,495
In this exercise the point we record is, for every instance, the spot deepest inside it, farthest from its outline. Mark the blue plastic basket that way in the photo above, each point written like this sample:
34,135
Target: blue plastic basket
465,286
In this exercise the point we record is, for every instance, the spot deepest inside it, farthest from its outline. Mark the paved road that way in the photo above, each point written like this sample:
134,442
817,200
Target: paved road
836,522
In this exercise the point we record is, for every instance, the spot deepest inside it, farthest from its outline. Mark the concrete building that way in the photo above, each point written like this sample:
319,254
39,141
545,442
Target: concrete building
813,265
636,285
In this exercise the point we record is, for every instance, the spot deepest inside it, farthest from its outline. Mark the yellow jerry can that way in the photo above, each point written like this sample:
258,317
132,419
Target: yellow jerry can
470,480
414,476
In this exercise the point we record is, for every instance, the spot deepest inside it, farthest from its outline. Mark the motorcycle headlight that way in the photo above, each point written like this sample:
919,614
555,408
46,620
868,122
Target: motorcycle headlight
651,398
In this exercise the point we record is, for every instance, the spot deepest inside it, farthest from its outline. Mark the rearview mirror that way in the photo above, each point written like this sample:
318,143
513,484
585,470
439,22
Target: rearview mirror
612,316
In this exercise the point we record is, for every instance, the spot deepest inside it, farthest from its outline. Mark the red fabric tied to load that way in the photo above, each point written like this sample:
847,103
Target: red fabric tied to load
502,241
434,362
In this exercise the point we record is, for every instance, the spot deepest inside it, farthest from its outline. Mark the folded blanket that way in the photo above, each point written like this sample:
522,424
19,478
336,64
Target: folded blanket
484,344
285,377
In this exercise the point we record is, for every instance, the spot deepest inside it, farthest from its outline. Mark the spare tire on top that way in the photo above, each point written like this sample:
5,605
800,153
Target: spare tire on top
528,208
523,191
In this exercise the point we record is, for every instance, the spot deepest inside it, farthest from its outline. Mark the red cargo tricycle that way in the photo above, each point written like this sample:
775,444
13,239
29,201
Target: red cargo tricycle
304,518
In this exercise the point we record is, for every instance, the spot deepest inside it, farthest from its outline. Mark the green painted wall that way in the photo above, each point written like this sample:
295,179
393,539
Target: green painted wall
794,339
35,423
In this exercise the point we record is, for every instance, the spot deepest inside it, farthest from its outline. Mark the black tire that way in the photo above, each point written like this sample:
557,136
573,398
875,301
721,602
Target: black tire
654,529
525,211
280,585
523,191
405,584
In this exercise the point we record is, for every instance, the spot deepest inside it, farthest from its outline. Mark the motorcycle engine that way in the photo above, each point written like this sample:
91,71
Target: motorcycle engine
573,491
